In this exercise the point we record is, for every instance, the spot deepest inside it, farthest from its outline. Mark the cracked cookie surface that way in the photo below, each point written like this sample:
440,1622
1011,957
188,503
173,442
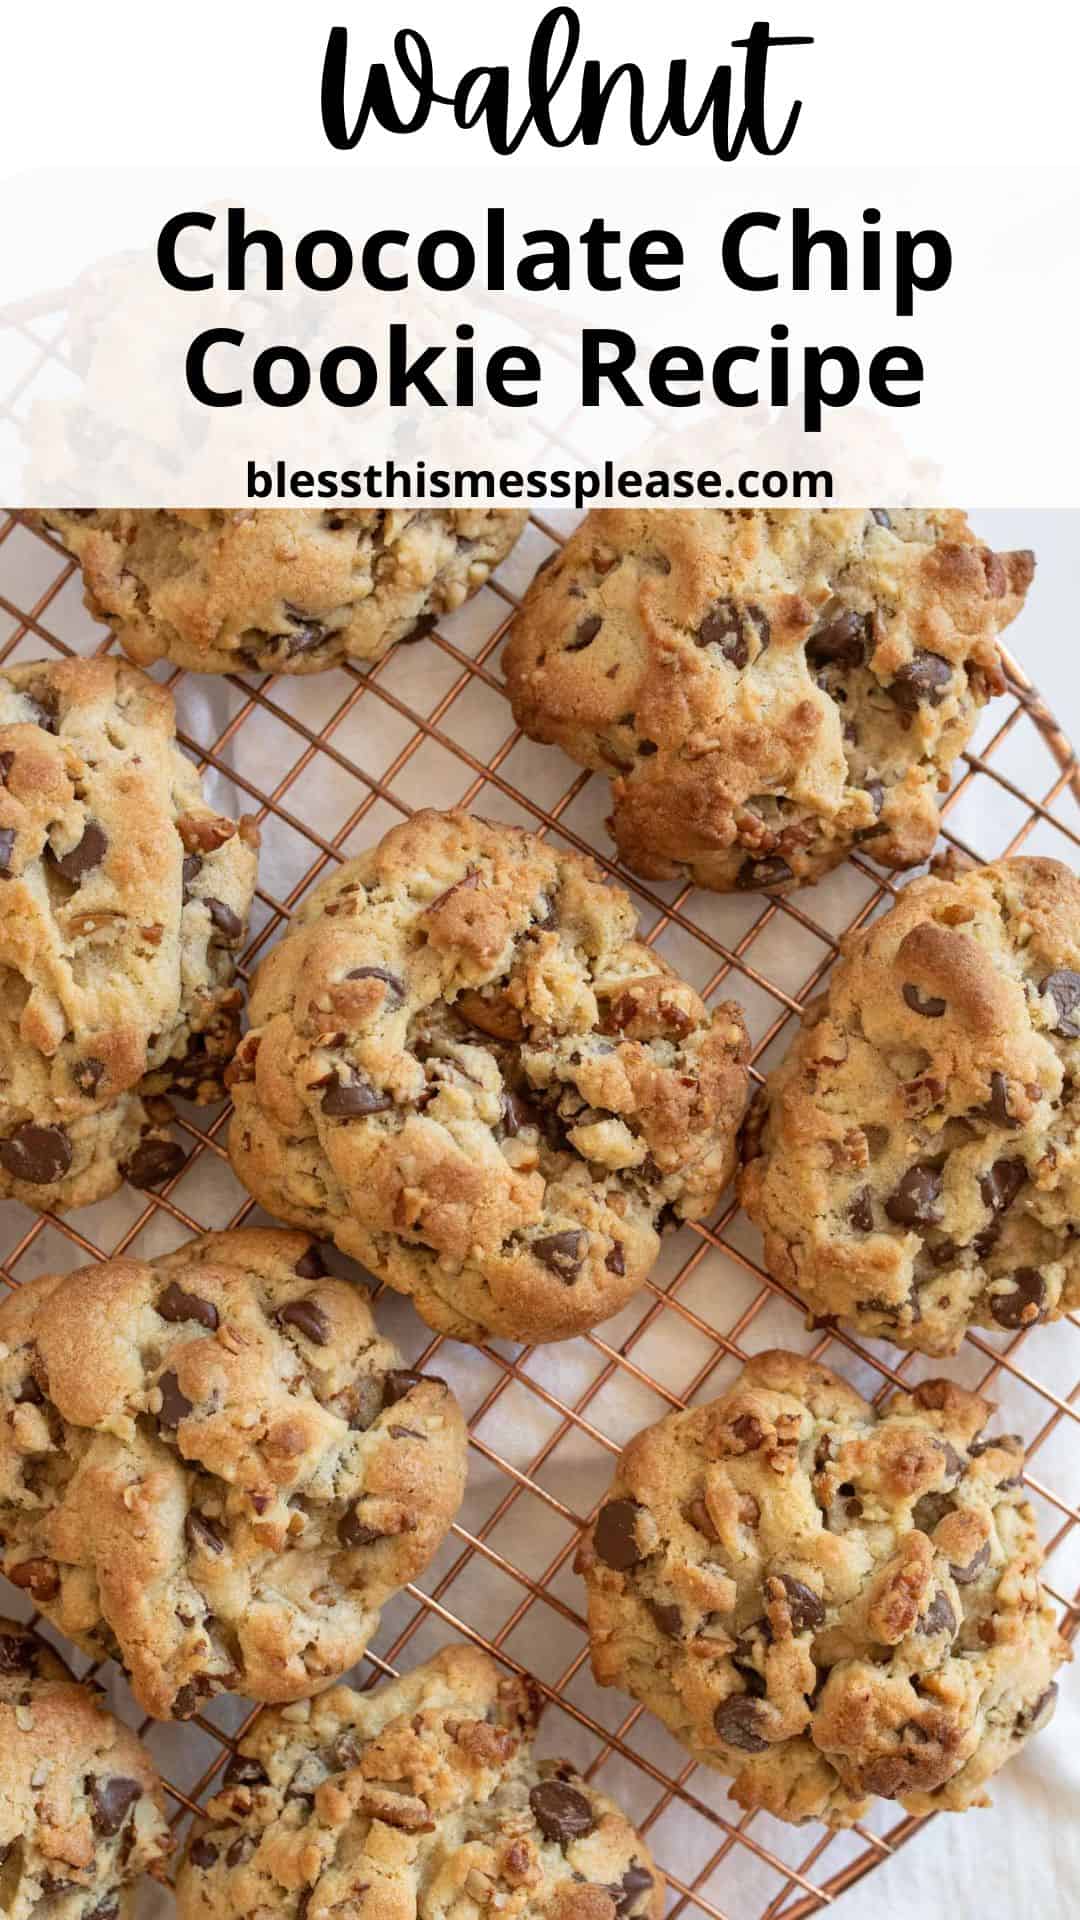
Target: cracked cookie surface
827,1603
765,689
123,901
464,1069
280,589
82,1810
214,1469
421,1797
914,1160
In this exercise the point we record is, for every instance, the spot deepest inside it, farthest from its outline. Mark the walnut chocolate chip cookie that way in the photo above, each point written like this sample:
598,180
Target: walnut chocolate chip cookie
81,1806
464,1069
826,1602
123,901
283,590
766,689
913,1162
214,1469
420,1798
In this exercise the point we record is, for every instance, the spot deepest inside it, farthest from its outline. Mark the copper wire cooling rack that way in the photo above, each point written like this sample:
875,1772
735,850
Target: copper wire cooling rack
328,763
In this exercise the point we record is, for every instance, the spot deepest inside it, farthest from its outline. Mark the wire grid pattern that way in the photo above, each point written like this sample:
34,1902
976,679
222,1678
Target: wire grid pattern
546,1424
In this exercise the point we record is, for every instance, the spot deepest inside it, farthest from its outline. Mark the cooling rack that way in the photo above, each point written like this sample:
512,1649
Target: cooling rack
328,763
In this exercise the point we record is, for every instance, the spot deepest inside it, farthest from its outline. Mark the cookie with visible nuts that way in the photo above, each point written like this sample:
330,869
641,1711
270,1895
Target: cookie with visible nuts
766,689
420,1797
214,1469
123,903
464,1069
826,1602
913,1161
82,1810
280,589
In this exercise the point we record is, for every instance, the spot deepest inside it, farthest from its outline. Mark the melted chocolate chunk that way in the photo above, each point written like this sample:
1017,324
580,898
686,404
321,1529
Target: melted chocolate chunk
1000,1186
615,1534
310,1265
997,1107
965,1575
203,1536
244,1772
738,1723
921,683
88,1075
939,1616
353,1098
175,1305
82,859
562,1813
392,981
175,1405
7,848
111,1800
153,1162
309,1319
861,1211
17,1655
840,641
564,1253
585,633
804,1606
228,924
191,869
38,1155
202,1853
668,1618
352,1532
1064,990
929,1005
914,1201
763,874
615,1260
635,1881
1024,1304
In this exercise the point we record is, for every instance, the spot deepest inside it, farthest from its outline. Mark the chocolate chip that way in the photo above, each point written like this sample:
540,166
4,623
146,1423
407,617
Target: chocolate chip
202,1535
615,1260
738,1723
725,626
861,1211
921,682
840,641
175,1406
561,1812
310,1265
804,1606
928,1005
244,1772
913,1203
635,1881
997,1107
29,1394
965,1575
82,859
352,1532
111,1799
585,634
763,874
175,1305
1000,1186
348,1099
398,1382
1024,1305
1064,990
424,624
305,639
7,848
391,980
939,1616
202,1853
668,1618
228,923
1032,1719
309,1319
883,518
18,1654
240,1851
153,1162
190,871
614,1536
38,1155
563,1253
87,1075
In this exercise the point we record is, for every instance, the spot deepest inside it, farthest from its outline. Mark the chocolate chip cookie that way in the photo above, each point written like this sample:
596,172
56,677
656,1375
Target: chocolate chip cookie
420,1798
914,1162
81,1806
464,1069
826,1602
766,689
123,902
214,1469
281,589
